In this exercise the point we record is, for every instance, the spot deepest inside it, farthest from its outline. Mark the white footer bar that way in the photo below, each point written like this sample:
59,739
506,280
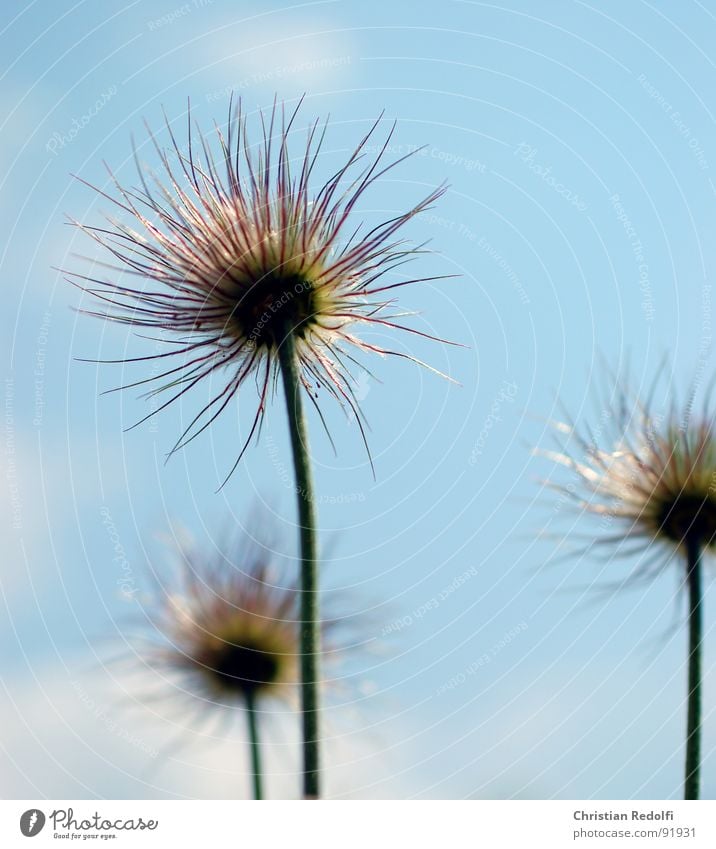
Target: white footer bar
358,824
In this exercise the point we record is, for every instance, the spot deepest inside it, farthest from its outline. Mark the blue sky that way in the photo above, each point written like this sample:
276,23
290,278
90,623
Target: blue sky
578,142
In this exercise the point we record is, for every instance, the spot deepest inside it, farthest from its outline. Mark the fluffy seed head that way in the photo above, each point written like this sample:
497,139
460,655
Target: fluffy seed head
227,627
654,481
236,251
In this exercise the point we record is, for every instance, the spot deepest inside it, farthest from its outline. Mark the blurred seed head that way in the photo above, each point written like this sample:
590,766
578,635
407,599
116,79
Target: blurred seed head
227,625
650,476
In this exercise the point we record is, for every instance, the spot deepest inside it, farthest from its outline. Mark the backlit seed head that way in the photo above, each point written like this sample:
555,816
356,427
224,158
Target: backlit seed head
655,482
236,251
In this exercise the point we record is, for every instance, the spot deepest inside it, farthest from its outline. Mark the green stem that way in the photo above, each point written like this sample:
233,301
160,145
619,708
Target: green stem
693,730
310,622
254,745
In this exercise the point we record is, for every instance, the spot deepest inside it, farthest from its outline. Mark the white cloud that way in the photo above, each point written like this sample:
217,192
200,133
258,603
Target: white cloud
72,733
270,53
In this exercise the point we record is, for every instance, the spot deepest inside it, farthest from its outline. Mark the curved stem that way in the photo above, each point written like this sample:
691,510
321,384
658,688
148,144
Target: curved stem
254,745
310,622
693,729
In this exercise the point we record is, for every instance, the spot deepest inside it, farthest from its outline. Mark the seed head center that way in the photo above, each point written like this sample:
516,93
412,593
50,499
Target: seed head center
689,515
273,306
245,669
